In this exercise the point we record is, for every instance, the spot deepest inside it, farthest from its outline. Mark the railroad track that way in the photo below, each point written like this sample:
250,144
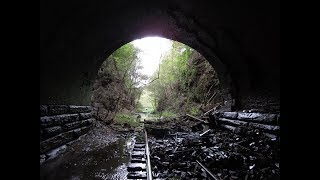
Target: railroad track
139,166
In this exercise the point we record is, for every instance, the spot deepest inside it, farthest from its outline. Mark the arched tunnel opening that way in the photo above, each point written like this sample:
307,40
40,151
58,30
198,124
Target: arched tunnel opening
93,125
154,76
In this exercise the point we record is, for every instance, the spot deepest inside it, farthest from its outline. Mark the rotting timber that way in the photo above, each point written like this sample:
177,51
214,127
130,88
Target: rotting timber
187,148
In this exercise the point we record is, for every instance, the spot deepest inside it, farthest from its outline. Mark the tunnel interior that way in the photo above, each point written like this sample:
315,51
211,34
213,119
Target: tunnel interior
240,39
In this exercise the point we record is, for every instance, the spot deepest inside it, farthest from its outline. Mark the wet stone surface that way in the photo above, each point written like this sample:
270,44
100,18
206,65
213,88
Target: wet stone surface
98,155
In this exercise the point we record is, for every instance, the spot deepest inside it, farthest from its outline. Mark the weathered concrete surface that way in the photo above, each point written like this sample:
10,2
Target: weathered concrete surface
57,127
230,115
48,121
267,122
58,109
85,116
61,139
241,39
79,109
258,117
50,110
51,131
56,141
265,118
78,124
234,122
265,127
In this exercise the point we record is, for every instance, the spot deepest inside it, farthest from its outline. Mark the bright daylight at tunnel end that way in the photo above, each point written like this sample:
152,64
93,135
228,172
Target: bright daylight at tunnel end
159,90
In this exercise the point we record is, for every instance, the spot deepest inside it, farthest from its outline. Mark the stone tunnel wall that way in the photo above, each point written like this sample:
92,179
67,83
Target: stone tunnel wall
61,124
241,39
266,123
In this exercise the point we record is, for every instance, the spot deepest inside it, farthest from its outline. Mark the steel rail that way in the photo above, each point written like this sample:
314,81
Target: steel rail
149,173
207,170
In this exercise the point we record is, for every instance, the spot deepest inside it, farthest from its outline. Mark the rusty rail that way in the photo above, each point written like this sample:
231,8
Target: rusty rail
208,171
149,173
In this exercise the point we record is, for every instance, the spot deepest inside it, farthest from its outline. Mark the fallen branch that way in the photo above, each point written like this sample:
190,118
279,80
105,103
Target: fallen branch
215,93
197,118
208,92
206,113
204,132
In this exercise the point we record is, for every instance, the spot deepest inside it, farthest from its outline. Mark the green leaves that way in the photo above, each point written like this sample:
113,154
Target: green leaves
120,68
175,72
186,82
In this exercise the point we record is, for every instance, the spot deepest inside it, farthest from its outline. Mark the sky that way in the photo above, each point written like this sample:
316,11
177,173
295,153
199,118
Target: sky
151,50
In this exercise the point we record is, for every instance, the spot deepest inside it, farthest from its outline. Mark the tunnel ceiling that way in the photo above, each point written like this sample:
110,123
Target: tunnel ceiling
241,39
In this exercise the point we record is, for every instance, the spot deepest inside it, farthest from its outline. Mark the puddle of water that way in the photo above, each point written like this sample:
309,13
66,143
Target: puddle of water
106,163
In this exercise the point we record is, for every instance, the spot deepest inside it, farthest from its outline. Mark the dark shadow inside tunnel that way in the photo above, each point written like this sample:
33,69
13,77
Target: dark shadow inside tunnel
81,92
243,47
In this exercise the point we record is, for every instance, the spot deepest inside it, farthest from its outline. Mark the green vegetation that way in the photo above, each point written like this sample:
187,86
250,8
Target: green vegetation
168,114
145,103
172,81
130,120
117,86
194,110
183,83
127,64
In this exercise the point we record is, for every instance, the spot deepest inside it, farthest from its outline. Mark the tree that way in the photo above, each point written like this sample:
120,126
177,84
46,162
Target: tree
172,75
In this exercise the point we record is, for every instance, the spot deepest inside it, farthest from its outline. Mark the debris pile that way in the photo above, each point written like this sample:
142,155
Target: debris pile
215,154
177,124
